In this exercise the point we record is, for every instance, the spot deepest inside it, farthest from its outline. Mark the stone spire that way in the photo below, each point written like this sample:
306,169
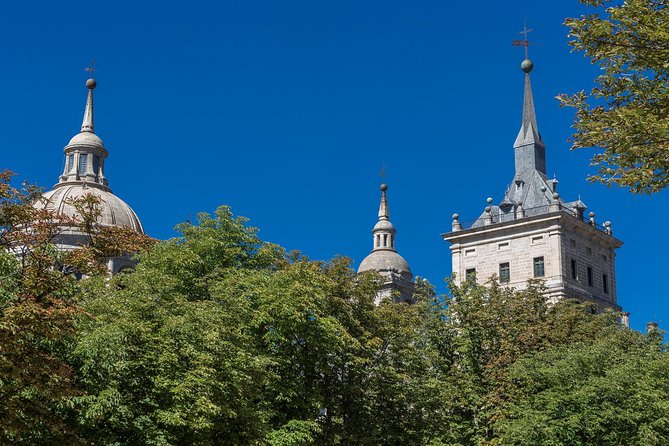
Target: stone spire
529,148
85,154
384,231
87,124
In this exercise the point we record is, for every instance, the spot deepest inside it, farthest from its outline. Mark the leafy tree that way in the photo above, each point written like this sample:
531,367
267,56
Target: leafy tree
38,311
488,329
610,392
625,114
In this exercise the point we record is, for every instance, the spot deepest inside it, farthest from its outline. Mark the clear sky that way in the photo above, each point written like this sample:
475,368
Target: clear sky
287,110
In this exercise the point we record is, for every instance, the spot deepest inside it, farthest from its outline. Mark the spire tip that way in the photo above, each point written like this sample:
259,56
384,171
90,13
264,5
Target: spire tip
91,84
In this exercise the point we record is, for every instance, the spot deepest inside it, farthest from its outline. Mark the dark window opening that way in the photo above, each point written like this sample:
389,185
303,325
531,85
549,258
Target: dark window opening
504,272
574,270
589,276
83,163
539,267
96,164
470,274
605,283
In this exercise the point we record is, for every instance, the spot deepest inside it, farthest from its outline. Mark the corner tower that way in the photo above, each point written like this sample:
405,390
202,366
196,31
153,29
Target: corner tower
534,233
395,271
84,173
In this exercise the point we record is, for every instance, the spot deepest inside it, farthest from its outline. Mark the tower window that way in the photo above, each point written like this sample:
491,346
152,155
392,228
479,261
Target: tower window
538,267
590,276
385,240
605,283
378,241
96,164
470,274
504,272
574,270
70,163
83,163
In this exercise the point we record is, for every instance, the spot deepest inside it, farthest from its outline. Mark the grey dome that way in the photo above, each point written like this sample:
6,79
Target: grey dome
115,212
85,139
384,225
384,260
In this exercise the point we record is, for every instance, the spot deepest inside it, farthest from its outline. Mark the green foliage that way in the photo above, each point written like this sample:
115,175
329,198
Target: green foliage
610,392
625,114
219,338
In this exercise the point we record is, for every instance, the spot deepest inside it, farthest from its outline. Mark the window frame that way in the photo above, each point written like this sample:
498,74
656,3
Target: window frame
536,262
504,272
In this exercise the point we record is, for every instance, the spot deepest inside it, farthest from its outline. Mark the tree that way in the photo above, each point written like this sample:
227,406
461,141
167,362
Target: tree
609,392
625,114
38,310
485,331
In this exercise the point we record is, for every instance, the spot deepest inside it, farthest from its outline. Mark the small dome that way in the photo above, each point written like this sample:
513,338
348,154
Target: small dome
86,139
384,225
115,212
384,260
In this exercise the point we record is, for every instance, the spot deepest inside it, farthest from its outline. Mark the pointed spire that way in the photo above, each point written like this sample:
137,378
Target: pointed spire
87,125
384,214
529,131
529,147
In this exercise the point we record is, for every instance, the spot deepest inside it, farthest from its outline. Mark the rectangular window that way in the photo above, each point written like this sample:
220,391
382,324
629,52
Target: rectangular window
96,164
538,267
504,272
590,276
538,239
470,252
574,270
83,163
504,245
605,283
70,163
470,274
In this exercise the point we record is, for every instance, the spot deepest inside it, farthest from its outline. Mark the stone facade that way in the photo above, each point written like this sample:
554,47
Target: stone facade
546,247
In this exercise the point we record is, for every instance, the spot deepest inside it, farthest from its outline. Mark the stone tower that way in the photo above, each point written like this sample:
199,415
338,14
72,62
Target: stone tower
397,276
534,233
84,173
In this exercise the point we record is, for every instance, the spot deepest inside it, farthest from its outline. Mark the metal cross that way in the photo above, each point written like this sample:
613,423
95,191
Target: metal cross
383,171
91,69
524,42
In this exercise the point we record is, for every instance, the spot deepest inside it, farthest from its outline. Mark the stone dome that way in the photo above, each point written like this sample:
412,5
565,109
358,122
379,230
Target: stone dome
115,212
85,139
384,260
384,225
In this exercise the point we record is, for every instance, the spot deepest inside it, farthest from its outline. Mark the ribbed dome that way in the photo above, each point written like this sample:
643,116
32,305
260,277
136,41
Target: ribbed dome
115,212
384,260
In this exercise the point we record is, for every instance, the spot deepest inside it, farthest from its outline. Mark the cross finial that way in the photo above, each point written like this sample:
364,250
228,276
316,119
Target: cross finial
383,172
91,68
523,42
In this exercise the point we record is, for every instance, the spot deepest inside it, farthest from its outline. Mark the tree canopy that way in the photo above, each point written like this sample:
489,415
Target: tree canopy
625,115
220,338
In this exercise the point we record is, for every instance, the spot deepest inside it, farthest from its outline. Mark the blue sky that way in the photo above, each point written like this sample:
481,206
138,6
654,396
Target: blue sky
287,110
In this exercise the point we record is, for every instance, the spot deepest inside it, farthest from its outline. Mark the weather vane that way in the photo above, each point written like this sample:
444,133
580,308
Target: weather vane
383,171
91,69
523,42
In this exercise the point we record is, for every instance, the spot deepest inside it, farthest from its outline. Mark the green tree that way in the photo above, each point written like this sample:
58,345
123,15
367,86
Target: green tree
609,392
486,329
38,310
625,114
